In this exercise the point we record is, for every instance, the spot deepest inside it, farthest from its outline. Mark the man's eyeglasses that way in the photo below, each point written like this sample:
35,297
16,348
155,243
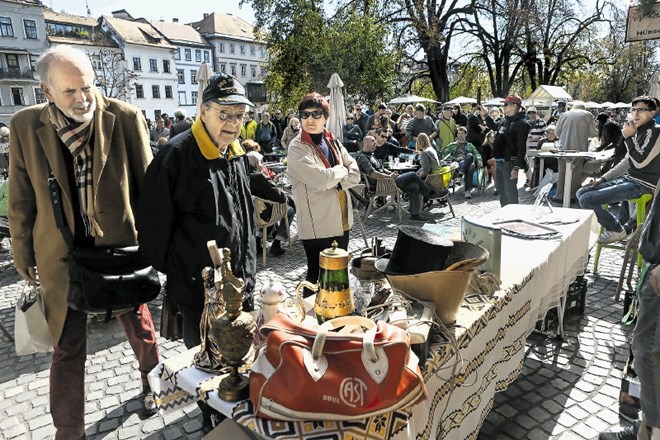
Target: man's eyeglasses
229,117
316,114
639,109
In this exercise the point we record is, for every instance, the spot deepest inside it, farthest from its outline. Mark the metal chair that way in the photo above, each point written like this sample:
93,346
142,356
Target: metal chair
640,203
361,190
277,213
437,183
384,188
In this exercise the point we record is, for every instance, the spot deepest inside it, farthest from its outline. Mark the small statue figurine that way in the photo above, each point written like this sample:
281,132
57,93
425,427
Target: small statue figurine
208,358
232,332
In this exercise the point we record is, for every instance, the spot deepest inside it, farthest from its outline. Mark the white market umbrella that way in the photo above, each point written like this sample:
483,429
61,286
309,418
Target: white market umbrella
592,104
621,105
498,102
410,99
337,119
607,104
203,74
654,86
461,100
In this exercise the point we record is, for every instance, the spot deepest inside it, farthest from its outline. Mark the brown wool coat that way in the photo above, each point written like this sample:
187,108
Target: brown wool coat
121,156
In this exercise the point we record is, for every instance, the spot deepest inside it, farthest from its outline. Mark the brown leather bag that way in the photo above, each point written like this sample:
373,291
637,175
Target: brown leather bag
314,374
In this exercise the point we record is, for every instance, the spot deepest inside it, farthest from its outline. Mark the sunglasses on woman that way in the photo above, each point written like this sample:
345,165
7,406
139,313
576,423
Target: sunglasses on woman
316,114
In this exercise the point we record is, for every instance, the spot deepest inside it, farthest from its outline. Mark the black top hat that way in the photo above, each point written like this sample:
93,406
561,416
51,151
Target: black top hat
225,89
416,251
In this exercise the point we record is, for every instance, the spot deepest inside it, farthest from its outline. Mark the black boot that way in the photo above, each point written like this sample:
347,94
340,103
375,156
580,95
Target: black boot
276,248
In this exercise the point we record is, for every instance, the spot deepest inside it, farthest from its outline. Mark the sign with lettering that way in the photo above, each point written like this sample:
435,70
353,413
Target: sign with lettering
645,27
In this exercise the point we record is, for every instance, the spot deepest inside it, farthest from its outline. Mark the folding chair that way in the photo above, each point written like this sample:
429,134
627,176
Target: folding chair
277,213
437,182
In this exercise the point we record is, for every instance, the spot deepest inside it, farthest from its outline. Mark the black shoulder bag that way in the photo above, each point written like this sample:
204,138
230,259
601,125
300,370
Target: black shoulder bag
104,279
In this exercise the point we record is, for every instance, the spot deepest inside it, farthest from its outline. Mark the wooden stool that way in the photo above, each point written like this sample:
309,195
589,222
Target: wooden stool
641,217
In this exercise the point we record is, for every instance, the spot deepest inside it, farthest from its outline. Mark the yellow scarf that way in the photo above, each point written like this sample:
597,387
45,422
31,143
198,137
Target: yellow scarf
208,148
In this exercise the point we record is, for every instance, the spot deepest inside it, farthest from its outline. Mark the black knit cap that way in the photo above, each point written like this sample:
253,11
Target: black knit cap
225,89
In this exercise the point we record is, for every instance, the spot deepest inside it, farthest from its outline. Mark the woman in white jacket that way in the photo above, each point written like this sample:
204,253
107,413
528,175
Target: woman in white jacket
321,172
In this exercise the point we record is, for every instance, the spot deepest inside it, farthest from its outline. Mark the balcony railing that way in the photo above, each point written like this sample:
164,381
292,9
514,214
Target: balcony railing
16,73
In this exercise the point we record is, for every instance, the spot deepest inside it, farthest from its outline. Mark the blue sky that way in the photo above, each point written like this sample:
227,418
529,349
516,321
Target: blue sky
185,11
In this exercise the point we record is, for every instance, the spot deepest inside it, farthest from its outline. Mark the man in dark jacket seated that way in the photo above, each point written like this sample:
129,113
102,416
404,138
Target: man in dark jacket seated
409,183
385,147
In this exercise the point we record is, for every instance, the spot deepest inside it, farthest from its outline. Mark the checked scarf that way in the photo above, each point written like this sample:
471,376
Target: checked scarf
76,136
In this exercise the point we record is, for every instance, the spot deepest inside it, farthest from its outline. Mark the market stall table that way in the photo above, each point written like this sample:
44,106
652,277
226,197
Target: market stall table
490,333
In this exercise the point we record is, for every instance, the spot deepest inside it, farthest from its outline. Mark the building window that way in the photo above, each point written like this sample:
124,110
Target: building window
6,29
39,96
168,92
157,114
198,55
181,75
139,91
153,65
155,91
262,69
193,76
95,58
253,51
182,98
262,51
30,29
242,49
17,96
223,67
137,64
243,69
177,53
232,67
253,71
166,66
221,47
193,98
232,49
188,55
12,62
206,56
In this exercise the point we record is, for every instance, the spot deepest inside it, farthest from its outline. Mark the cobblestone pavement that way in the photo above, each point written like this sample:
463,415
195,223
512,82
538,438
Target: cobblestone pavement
566,390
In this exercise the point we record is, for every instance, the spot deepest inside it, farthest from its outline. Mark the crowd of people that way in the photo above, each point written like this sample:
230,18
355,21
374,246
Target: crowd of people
175,186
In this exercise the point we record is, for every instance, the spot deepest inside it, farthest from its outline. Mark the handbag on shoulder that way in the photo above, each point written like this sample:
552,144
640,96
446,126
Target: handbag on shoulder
104,279
305,373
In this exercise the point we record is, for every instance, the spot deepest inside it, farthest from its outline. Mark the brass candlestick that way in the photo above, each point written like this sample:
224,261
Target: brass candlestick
233,332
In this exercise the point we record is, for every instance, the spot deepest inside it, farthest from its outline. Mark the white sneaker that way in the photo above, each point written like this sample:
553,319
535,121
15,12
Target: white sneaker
612,236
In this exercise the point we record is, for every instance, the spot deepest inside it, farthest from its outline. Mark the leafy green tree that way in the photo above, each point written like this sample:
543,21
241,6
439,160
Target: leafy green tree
306,47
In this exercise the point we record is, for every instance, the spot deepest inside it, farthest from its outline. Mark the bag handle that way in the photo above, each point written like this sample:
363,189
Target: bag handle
374,359
367,339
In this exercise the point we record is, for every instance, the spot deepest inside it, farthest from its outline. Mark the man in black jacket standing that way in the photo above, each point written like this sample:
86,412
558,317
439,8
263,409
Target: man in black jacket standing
510,150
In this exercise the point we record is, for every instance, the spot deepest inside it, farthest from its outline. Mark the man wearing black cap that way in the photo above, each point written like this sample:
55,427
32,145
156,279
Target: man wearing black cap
195,191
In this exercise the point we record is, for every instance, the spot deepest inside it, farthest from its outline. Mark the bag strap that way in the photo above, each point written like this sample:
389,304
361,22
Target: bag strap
367,339
56,199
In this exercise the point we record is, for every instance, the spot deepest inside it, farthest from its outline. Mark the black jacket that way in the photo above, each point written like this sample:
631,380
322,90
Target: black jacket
511,139
188,200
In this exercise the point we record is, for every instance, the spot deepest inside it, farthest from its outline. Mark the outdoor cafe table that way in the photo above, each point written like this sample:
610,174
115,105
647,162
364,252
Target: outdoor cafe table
490,332
569,157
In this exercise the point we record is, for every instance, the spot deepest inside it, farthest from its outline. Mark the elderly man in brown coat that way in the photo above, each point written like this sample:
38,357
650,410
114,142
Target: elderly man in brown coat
107,141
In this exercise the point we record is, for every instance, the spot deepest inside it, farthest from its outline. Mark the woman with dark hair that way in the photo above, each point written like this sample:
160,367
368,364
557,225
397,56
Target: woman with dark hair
321,172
